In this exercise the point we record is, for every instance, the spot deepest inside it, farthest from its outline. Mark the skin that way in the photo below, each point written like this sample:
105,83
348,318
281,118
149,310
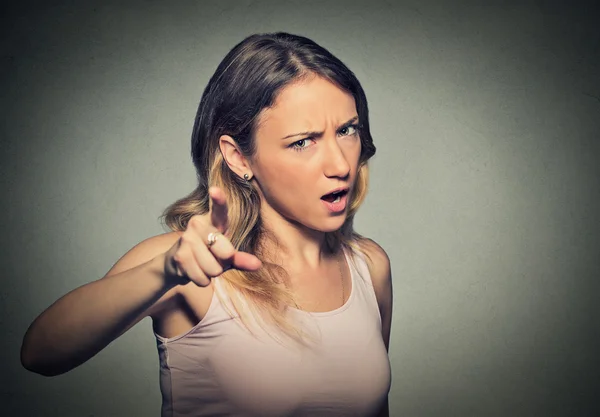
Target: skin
292,174
167,277
291,183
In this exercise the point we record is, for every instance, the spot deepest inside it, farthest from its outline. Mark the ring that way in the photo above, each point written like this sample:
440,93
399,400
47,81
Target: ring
212,238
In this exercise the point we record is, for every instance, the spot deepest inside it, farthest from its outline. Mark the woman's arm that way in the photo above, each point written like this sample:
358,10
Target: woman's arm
142,283
381,276
87,319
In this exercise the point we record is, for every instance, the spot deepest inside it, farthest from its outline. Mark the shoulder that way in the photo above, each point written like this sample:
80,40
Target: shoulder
381,276
379,266
377,260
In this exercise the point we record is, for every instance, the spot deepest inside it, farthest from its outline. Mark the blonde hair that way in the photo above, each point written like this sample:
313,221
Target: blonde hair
246,82
258,297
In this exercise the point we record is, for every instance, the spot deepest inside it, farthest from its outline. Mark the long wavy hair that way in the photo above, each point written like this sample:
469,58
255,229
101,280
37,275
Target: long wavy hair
245,83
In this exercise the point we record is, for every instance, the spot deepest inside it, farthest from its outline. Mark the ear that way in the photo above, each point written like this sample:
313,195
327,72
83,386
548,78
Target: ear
234,158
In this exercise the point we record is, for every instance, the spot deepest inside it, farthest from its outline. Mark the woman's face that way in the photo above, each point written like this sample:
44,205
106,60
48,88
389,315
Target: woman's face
308,146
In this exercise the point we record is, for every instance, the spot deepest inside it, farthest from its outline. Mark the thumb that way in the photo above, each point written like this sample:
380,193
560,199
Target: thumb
245,261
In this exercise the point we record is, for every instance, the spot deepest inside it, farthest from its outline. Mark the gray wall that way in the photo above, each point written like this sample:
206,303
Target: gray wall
484,188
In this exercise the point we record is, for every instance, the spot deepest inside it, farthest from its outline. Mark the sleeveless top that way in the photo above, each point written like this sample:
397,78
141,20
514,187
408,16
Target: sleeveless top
219,368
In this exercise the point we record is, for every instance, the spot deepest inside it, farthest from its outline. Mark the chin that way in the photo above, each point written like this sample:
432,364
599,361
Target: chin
333,224
318,222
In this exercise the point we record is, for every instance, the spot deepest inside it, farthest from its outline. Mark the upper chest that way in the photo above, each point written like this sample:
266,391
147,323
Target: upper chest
345,369
346,363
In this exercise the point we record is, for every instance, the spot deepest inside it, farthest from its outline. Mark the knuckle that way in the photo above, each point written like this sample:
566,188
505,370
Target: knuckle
229,251
201,279
187,238
226,251
228,257
195,221
215,271
209,266
224,244
181,257
177,258
202,282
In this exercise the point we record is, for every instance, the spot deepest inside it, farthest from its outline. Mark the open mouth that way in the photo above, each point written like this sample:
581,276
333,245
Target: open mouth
334,197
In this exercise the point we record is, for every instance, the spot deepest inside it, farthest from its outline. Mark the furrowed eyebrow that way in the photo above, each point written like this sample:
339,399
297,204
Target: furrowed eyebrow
319,134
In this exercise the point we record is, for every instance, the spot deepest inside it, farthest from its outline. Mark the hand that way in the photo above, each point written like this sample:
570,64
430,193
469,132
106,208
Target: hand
191,259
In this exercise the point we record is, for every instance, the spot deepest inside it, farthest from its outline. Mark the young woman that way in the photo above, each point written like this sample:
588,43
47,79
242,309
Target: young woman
264,300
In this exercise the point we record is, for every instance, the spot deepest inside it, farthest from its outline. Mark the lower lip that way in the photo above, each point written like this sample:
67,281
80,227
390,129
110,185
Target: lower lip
338,206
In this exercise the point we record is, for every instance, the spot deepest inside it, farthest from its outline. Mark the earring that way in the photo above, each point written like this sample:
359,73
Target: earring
247,177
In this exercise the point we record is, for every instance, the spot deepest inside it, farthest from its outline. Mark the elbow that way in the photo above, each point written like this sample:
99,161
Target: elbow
33,361
30,362
39,368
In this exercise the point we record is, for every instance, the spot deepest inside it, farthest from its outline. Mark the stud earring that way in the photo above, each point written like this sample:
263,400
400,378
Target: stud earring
247,177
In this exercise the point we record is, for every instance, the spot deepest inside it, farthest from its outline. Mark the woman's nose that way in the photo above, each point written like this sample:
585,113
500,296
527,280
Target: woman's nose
335,162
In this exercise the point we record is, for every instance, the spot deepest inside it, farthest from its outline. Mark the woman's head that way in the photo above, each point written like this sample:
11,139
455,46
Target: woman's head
267,87
270,86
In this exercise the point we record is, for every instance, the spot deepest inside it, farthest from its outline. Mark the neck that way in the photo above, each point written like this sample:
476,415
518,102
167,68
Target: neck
296,245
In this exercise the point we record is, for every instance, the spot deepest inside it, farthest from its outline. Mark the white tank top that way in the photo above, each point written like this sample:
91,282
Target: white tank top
218,368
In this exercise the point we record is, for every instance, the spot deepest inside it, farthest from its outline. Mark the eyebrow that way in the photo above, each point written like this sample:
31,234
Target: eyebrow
319,134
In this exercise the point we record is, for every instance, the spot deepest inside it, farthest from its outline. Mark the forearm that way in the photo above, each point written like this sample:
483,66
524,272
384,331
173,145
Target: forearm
87,319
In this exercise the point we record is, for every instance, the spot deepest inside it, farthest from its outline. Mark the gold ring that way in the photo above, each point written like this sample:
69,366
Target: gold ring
212,238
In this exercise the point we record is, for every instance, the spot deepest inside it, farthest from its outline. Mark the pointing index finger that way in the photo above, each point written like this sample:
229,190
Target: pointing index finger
218,208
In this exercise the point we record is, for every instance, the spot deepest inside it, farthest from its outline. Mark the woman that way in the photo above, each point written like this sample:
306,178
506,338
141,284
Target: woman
264,300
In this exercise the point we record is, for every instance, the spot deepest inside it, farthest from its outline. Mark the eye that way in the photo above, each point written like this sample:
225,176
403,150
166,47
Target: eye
349,130
300,145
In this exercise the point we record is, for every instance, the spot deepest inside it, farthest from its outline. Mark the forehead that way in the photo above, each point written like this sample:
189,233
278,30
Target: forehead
308,104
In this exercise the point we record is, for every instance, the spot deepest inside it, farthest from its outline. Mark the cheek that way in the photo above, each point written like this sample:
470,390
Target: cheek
352,153
285,179
289,188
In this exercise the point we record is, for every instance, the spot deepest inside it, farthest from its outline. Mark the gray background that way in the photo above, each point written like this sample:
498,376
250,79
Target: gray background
484,188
